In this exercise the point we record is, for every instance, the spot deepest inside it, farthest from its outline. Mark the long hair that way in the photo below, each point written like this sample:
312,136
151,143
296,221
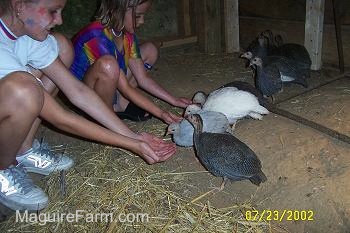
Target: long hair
111,13
5,7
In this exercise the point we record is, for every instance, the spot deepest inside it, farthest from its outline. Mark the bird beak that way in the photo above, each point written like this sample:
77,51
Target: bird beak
244,55
251,65
167,133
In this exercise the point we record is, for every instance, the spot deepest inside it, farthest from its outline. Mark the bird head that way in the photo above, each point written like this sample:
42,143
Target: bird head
196,121
268,34
247,55
256,61
192,109
278,40
172,128
199,98
263,41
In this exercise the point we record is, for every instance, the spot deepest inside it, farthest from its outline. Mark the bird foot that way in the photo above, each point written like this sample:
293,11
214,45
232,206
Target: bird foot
222,186
230,131
233,126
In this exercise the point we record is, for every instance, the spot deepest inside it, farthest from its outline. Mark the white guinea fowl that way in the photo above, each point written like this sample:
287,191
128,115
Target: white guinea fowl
213,122
200,97
192,109
234,104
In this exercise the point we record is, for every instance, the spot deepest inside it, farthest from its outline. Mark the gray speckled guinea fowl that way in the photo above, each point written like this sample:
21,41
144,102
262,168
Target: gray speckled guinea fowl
226,156
290,69
296,52
293,51
258,47
287,70
182,132
272,43
267,78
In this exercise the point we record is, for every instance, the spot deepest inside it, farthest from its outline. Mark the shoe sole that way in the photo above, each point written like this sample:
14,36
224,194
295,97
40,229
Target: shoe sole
23,206
42,172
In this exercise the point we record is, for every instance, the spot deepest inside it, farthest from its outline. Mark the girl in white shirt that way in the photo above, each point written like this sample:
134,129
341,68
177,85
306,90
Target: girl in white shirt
33,62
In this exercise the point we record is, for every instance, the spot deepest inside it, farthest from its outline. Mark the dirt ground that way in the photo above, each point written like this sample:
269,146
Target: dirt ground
306,169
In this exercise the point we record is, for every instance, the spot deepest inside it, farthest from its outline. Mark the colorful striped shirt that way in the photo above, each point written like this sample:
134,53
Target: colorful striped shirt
95,41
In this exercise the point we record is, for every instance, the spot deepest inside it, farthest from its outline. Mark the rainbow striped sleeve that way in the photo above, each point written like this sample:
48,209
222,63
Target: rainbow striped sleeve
97,47
131,47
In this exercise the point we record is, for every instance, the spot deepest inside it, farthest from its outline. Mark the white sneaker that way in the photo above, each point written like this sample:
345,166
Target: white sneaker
40,159
18,192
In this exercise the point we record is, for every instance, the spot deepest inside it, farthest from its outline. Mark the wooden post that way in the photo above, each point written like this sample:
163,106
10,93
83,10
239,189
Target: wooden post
314,31
231,26
337,9
209,25
183,16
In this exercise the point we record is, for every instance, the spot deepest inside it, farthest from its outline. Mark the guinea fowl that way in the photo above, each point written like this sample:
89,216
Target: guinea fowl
258,47
272,43
296,52
268,78
268,45
225,156
182,132
234,103
268,70
244,86
293,51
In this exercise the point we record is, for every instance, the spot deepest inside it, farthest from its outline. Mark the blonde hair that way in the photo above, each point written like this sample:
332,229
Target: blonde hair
112,12
6,6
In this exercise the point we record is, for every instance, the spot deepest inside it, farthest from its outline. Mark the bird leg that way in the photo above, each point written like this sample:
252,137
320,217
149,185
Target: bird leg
229,130
270,98
62,179
233,126
255,115
222,186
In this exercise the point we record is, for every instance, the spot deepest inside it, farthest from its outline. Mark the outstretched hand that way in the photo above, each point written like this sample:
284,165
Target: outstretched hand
169,117
182,102
155,150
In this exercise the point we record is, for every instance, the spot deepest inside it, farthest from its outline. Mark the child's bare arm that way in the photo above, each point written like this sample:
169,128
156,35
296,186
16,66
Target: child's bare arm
72,123
152,87
135,96
85,98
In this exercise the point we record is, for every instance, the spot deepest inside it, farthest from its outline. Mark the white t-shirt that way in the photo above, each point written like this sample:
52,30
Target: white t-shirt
19,54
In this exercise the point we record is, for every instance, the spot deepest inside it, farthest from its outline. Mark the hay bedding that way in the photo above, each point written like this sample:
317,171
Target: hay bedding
111,180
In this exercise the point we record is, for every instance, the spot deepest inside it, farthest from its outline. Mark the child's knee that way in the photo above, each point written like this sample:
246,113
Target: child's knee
66,50
23,93
108,65
149,53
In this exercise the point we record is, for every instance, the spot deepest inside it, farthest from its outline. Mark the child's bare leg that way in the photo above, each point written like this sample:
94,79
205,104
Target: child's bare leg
103,76
21,100
149,54
66,55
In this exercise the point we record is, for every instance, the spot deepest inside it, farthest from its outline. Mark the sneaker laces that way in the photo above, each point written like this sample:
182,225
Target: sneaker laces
45,151
19,178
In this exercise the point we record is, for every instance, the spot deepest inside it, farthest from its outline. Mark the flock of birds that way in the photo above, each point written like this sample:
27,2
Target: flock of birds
276,64
209,122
